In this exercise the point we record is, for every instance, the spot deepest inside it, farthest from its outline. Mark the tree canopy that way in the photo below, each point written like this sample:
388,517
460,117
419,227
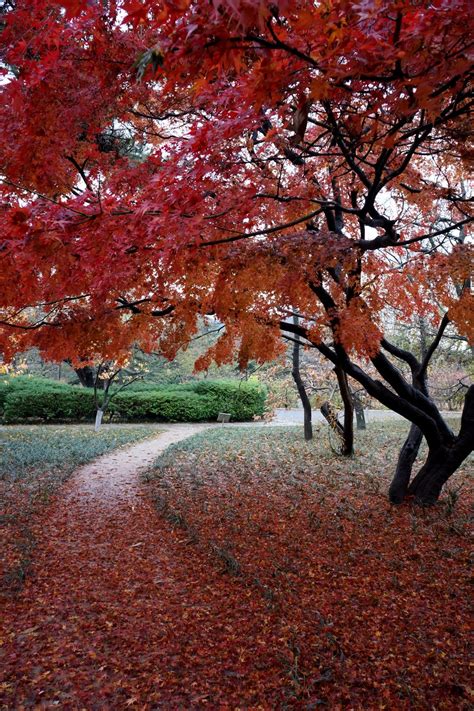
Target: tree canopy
251,160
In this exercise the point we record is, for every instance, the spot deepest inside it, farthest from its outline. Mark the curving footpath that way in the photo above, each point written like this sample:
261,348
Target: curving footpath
87,630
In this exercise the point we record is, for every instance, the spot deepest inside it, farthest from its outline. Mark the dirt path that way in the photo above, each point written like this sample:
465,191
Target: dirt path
112,480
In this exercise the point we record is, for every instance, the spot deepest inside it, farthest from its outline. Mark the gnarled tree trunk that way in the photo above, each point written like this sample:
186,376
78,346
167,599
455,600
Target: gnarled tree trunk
440,464
443,460
410,400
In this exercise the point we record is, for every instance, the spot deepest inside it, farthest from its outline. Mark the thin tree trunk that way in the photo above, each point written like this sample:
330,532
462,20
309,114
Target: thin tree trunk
359,411
308,428
330,414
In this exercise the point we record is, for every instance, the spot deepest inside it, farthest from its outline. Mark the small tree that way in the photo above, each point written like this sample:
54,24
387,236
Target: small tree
105,377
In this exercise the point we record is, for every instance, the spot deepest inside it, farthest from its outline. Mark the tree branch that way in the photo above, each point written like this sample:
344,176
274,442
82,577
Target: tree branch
434,345
257,233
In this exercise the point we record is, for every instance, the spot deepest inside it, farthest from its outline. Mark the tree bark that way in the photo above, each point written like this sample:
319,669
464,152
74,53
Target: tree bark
348,426
440,464
444,460
86,376
308,427
406,459
359,412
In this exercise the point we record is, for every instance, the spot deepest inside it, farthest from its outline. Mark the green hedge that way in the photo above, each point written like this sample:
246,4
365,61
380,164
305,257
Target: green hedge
49,404
242,399
10,385
162,407
4,390
199,401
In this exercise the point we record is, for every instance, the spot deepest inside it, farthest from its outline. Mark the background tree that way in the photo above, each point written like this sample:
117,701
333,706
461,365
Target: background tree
300,386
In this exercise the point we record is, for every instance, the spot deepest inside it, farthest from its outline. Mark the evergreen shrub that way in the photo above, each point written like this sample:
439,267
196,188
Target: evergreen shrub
38,399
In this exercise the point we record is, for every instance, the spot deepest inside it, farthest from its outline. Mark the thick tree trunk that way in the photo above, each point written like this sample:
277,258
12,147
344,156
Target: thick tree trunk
444,460
409,451
446,451
86,376
308,427
406,459
440,464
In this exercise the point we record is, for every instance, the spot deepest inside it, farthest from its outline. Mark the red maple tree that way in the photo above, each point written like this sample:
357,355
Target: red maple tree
165,160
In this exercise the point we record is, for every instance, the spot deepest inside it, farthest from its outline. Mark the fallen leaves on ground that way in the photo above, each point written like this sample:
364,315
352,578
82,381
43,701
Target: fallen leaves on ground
34,462
367,602
259,572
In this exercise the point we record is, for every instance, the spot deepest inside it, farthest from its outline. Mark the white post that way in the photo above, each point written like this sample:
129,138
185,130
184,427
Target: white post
98,419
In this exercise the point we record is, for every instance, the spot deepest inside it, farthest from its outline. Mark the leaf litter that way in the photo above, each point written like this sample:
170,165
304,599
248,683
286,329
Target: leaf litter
258,572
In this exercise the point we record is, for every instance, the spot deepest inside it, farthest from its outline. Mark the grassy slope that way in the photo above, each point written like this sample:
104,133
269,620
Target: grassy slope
367,601
34,462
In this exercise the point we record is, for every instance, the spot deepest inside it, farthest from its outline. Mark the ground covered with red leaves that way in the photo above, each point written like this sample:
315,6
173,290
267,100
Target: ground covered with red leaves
251,571
34,462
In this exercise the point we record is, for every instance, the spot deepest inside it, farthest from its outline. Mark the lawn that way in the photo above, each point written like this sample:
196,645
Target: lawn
34,462
333,597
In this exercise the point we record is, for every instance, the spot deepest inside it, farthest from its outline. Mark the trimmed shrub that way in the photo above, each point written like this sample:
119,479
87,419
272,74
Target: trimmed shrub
4,390
162,406
20,383
242,399
144,386
50,404
27,399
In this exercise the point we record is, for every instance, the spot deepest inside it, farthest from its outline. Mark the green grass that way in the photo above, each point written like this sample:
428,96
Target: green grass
34,462
376,449
26,452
